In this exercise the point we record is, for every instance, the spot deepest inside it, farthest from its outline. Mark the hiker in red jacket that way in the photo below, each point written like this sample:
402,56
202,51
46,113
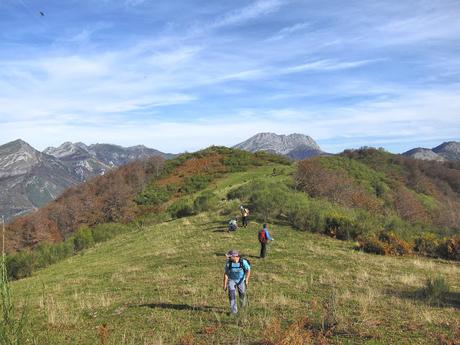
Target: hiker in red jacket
264,237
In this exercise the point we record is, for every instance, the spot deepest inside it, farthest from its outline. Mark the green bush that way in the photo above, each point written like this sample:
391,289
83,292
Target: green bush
205,201
20,265
44,255
435,290
268,200
181,208
153,195
231,207
195,183
104,232
238,161
62,250
340,227
83,239
242,193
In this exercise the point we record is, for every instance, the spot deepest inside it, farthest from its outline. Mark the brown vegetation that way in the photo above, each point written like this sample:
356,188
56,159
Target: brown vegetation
107,198
318,181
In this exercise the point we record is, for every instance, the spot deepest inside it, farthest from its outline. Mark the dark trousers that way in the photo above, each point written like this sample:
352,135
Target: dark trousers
263,249
245,221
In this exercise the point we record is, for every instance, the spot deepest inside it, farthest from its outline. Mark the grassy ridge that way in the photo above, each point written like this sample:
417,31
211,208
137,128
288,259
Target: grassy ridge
162,285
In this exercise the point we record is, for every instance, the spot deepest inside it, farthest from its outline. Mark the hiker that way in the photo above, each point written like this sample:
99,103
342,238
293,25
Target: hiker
236,277
264,237
244,216
232,224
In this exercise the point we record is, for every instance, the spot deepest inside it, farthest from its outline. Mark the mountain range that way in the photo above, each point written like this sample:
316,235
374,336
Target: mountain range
447,151
30,179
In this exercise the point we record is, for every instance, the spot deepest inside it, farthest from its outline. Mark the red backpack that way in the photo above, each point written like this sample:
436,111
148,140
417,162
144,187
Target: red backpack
262,236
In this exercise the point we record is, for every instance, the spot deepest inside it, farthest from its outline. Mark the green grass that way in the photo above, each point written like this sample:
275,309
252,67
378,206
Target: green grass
163,283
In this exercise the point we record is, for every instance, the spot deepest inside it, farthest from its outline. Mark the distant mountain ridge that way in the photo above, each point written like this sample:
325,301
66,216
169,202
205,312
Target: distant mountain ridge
295,146
447,151
30,179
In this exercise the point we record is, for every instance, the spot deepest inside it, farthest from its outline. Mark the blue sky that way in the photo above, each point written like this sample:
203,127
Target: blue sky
182,75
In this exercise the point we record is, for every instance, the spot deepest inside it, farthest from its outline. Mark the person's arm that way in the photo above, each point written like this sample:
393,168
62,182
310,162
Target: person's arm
267,234
225,281
248,275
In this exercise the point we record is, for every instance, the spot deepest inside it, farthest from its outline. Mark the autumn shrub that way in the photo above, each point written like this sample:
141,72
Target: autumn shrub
427,244
395,245
373,245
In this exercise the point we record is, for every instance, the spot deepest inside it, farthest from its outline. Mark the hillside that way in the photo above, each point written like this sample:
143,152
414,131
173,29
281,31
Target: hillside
161,284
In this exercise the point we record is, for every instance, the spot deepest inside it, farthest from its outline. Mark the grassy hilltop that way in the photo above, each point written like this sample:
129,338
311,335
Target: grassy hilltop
159,280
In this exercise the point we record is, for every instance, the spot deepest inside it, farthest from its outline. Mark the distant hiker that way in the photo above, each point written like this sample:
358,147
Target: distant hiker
264,237
236,277
232,224
244,216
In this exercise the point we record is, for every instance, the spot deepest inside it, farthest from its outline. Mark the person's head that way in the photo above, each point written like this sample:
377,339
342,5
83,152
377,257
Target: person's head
264,226
233,255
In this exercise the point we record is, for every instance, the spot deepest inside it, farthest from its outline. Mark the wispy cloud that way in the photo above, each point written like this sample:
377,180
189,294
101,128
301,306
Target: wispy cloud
255,10
327,65
220,73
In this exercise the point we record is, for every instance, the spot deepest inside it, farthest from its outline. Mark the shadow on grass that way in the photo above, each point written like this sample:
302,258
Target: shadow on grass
179,307
449,300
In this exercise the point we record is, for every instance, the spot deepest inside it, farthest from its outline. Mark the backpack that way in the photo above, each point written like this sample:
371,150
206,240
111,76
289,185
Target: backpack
262,236
229,264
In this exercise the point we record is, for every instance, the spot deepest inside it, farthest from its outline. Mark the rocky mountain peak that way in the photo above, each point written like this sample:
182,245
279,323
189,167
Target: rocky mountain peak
303,145
17,157
68,150
423,154
449,150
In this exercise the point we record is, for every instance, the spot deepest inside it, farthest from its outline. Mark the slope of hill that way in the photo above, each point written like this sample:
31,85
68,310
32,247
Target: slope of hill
161,284
295,146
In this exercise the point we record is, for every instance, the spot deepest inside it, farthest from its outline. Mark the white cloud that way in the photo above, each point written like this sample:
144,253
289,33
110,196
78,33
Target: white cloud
327,65
255,10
